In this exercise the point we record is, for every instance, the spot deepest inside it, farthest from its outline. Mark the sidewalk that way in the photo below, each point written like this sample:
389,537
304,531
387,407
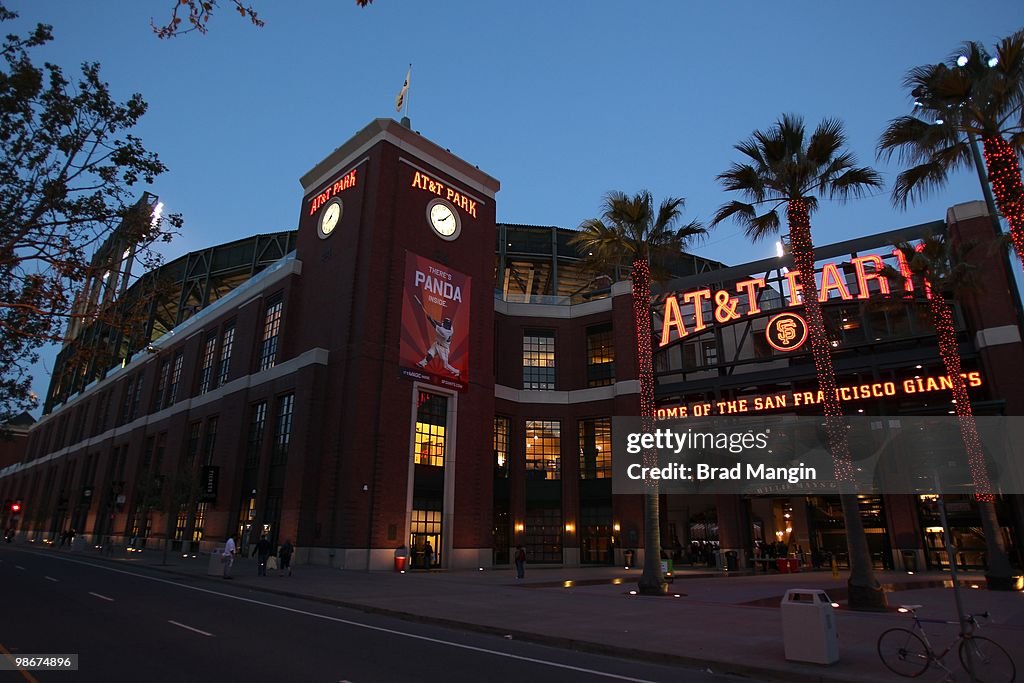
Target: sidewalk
725,624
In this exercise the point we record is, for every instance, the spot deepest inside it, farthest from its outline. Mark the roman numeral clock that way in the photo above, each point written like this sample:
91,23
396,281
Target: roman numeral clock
444,219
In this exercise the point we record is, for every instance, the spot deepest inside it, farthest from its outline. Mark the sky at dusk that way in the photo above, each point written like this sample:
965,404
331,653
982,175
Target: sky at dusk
561,101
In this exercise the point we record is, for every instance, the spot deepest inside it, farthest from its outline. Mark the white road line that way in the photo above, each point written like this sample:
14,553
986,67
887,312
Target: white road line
18,566
50,578
101,597
171,621
356,624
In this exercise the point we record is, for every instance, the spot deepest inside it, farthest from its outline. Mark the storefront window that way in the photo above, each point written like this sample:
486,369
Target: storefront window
543,449
596,448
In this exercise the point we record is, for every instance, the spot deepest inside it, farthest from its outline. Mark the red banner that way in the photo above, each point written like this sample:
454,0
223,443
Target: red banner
434,345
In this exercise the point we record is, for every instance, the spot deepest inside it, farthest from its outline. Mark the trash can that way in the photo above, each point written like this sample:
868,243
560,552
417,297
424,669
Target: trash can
628,556
666,566
794,565
910,560
782,564
216,565
731,563
401,559
809,627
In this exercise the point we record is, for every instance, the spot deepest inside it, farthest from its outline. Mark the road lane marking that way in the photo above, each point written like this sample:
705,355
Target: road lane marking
50,578
18,566
26,674
171,621
101,597
356,624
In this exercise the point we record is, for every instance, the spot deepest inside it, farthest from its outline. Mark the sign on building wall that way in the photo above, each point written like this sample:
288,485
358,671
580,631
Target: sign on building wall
435,340
208,484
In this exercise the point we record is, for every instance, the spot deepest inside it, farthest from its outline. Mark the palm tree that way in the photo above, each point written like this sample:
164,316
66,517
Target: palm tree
946,270
977,95
630,229
785,168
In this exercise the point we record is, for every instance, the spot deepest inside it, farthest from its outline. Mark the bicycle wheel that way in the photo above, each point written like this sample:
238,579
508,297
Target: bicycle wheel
903,652
991,663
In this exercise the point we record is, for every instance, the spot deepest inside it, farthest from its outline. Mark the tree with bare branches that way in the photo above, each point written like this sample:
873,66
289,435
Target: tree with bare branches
194,15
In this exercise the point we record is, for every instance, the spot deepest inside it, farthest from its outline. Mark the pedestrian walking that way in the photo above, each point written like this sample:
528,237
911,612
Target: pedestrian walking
520,561
428,556
228,556
285,557
262,551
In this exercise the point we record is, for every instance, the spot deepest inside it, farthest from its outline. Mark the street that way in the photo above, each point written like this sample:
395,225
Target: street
141,625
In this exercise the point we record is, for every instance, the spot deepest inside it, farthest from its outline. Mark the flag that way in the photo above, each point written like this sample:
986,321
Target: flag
400,100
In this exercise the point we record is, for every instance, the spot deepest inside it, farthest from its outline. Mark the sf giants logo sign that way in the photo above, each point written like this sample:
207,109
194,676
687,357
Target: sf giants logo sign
786,332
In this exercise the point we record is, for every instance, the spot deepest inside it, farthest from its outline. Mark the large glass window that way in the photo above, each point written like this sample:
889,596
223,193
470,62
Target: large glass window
501,427
192,447
425,529
597,543
431,429
227,345
211,440
283,430
539,360
200,522
136,398
161,385
543,449
543,534
596,448
600,356
125,404
271,333
206,373
172,391
257,420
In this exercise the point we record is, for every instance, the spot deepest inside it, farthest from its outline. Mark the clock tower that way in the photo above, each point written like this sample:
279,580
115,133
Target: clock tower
396,240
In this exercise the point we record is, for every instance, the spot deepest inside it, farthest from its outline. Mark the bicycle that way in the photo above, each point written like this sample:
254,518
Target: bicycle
909,653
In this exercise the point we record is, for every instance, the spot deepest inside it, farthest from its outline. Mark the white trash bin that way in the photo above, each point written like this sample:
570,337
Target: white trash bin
216,566
809,627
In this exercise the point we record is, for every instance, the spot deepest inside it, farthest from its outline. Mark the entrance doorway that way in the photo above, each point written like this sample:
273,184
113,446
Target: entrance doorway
419,543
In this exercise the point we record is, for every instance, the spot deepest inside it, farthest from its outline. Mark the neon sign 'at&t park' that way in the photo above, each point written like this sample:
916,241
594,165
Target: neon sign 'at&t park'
726,307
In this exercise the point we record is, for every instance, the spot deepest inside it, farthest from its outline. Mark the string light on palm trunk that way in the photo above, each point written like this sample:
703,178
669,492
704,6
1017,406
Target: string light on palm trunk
1004,177
642,319
945,333
802,248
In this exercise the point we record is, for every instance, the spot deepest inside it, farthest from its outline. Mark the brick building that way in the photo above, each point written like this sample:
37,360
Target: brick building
404,371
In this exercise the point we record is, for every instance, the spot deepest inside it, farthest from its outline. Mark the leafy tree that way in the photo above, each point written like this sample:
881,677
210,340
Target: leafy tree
976,95
785,167
201,11
944,269
631,230
68,167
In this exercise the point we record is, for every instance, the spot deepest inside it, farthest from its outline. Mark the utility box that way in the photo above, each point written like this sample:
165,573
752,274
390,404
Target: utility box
809,627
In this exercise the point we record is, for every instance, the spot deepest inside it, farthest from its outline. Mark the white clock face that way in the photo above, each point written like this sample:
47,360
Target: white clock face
444,219
329,218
